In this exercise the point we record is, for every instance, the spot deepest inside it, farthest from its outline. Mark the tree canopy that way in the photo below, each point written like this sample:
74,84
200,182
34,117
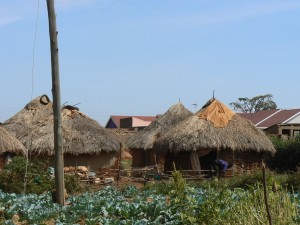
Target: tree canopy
255,104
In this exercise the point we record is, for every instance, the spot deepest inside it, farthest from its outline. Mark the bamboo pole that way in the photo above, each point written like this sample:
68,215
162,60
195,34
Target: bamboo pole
59,160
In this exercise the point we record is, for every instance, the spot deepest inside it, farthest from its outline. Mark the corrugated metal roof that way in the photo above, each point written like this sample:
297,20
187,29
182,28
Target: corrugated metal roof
279,118
268,118
259,116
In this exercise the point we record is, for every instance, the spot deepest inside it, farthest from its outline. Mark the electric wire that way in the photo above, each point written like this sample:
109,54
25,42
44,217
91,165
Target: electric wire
34,43
32,88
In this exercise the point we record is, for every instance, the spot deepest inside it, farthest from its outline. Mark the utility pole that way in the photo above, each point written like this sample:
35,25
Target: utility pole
58,147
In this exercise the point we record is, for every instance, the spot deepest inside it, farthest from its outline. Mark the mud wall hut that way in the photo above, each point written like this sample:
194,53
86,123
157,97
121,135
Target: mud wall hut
85,141
141,144
214,132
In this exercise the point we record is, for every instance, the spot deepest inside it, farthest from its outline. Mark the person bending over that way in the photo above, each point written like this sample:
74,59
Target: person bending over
221,166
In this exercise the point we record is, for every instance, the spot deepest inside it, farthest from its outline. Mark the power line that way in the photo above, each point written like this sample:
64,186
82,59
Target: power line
32,86
33,51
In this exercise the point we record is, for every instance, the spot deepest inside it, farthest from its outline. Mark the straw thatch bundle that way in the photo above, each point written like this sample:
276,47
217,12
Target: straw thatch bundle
146,138
9,144
215,127
81,135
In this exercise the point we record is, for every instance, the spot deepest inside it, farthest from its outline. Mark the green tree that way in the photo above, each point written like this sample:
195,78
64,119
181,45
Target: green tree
255,104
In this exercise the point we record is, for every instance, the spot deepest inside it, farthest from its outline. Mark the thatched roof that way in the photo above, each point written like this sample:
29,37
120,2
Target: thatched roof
145,139
33,126
123,134
215,127
30,116
10,144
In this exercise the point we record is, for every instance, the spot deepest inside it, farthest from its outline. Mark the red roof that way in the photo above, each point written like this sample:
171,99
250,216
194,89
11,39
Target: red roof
279,118
258,116
117,119
268,118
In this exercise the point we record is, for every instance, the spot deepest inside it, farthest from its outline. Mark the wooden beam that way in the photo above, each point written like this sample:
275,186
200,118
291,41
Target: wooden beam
195,162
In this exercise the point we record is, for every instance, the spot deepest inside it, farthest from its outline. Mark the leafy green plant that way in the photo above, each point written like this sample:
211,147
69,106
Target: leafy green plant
73,184
224,201
178,184
133,206
126,163
13,177
159,187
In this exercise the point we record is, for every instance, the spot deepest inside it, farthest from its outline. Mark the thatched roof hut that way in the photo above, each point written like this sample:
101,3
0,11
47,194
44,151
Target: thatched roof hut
214,128
145,139
9,146
84,138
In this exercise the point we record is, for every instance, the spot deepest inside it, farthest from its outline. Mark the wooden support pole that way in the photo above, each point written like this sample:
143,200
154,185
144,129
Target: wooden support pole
59,160
120,160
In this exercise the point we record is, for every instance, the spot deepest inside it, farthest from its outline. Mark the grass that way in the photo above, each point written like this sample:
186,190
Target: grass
237,200
288,181
247,207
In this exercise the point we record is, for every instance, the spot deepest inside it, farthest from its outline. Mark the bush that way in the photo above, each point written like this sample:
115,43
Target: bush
73,184
291,181
13,177
287,157
243,181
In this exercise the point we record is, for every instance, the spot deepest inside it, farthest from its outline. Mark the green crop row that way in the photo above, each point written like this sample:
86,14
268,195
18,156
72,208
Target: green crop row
182,204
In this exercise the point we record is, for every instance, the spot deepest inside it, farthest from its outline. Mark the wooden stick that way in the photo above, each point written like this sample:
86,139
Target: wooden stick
265,195
193,171
120,158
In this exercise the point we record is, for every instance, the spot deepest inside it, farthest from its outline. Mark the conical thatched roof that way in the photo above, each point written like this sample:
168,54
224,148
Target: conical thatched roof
9,144
146,138
215,127
29,117
33,126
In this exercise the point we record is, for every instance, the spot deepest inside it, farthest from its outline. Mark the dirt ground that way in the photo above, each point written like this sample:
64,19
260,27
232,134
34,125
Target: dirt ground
121,174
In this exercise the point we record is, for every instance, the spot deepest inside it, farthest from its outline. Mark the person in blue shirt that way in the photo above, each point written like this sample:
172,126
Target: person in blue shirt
221,166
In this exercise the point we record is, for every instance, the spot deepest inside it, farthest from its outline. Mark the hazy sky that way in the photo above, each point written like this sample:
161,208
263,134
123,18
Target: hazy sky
138,57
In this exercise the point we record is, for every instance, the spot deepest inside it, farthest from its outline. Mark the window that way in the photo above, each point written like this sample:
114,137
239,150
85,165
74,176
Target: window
285,132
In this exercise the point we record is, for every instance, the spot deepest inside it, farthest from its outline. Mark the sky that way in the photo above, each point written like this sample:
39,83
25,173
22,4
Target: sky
140,57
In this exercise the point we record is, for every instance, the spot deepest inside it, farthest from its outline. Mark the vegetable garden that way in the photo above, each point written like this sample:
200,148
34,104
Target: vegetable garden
171,202
238,200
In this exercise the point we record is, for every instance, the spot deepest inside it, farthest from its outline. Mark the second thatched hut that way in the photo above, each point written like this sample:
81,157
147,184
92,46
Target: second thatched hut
214,132
141,144
9,146
85,141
